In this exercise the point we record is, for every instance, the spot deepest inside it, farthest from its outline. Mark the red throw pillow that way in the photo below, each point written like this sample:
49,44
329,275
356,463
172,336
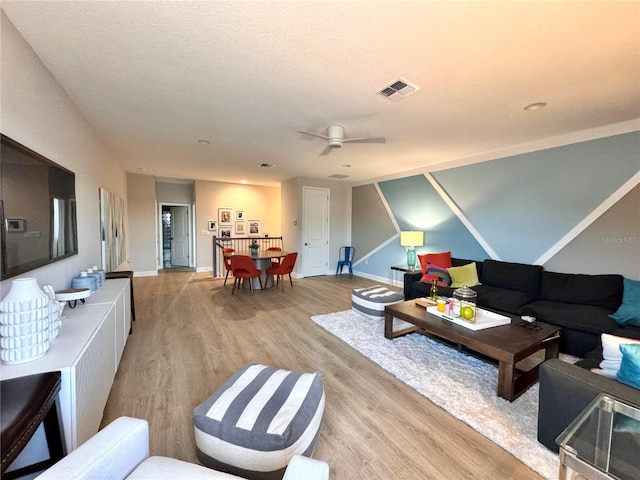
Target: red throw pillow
443,259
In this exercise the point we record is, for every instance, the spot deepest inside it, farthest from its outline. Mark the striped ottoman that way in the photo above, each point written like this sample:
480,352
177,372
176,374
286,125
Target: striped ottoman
258,419
371,301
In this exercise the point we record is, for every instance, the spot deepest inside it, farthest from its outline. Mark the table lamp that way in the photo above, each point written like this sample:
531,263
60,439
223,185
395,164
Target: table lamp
411,240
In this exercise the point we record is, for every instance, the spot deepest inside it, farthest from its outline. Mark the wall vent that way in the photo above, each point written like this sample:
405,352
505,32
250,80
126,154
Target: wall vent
338,176
398,90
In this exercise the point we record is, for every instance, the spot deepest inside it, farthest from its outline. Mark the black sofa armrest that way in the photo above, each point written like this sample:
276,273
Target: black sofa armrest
566,390
409,278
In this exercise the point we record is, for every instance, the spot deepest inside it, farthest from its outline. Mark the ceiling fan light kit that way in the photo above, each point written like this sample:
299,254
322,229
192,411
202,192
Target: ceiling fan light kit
335,138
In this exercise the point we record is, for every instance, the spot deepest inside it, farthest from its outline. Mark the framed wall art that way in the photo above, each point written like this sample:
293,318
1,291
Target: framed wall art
240,215
255,228
225,217
225,233
212,225
15,224
240,229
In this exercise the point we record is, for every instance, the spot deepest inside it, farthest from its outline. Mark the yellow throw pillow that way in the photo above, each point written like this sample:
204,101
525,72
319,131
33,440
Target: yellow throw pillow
464,275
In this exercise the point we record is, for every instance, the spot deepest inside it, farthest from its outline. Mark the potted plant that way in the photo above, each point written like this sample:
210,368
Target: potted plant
254,247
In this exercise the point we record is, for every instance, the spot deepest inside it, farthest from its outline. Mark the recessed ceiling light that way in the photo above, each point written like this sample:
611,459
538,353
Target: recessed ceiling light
535,106
346,165
243,181
204,142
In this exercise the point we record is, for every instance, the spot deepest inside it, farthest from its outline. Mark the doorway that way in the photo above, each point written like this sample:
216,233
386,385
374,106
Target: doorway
175,228
315,231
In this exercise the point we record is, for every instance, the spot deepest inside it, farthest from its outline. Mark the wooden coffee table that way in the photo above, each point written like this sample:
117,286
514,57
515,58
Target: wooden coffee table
508,344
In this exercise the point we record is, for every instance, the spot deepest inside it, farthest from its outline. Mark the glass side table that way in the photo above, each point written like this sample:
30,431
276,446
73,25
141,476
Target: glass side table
603,442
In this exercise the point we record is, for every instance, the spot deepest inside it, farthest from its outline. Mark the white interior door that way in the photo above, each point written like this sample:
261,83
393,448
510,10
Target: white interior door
180,236
315,231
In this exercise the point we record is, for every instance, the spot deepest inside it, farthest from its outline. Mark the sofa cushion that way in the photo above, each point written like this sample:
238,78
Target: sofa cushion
629,372
441,275
597,290
612,356
629,311
442,258
164,468
513,276
464,275
573,316
503,299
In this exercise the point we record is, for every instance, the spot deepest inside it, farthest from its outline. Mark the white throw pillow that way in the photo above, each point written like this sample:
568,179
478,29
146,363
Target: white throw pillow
612,354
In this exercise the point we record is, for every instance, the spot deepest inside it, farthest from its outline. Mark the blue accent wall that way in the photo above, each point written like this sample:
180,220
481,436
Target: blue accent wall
518,207
416,205
522,205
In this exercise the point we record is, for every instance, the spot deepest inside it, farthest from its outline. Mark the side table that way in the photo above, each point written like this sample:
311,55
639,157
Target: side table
400,268
602,442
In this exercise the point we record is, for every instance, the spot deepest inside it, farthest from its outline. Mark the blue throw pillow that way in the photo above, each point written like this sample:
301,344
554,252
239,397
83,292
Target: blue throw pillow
629,311
629,372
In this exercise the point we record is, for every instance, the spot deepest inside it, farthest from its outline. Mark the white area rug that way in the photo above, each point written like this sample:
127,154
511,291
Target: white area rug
461,384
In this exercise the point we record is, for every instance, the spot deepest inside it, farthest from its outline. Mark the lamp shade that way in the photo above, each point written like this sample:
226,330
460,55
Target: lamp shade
411,239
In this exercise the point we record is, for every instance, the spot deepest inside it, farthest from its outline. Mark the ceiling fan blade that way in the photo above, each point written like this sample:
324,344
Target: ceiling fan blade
314,134
366,140
327,150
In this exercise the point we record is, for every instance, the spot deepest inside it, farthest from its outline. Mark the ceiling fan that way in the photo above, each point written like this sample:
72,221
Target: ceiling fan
335,138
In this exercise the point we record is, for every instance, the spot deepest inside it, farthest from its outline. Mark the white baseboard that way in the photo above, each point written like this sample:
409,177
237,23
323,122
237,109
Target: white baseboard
150,273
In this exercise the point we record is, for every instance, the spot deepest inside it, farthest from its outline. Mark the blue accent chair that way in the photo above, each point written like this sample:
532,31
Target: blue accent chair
345,259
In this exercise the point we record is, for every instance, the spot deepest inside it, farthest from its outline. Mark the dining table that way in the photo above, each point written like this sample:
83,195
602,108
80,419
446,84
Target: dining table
262,261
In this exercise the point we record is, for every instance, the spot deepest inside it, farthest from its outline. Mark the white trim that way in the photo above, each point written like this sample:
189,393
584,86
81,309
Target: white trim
393,221
589,219
205,269
512,150
377,249
462,217
149,273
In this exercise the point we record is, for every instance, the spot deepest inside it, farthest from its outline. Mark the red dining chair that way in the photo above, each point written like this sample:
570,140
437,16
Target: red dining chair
227,262
242,267
275,261
285,268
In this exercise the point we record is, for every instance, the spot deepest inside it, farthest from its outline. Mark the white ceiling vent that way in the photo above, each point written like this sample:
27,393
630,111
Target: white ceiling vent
338,176
398,90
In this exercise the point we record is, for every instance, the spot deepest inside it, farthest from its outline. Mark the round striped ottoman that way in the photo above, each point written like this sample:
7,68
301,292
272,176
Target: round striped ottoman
258,419
371,301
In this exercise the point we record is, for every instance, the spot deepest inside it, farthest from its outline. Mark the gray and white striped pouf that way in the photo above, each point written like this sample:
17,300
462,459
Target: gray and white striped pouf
258,419
371,301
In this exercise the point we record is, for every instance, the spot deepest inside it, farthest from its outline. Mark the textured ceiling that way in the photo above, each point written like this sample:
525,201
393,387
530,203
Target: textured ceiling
152,78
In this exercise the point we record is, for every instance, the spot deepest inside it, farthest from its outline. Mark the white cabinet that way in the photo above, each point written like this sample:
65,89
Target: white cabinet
87,351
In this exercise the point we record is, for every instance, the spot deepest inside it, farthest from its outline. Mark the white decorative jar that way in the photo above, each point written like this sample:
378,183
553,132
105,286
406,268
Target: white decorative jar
25,294
29,321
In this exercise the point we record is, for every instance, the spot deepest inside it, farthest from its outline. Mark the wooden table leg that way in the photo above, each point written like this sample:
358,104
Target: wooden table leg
506,380
388,326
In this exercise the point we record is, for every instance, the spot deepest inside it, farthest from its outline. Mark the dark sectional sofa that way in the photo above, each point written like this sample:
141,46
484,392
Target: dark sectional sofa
579,304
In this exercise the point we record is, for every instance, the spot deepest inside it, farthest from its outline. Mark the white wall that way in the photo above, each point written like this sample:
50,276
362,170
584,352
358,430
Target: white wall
257,202
36,112
143,224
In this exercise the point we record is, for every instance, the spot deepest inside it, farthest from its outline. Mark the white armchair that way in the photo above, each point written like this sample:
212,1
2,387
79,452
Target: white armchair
121,451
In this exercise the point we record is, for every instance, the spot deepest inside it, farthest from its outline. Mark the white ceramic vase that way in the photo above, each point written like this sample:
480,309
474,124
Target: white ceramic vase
25,294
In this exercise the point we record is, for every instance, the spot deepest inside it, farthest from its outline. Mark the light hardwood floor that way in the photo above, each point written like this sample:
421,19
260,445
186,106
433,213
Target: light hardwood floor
191,334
